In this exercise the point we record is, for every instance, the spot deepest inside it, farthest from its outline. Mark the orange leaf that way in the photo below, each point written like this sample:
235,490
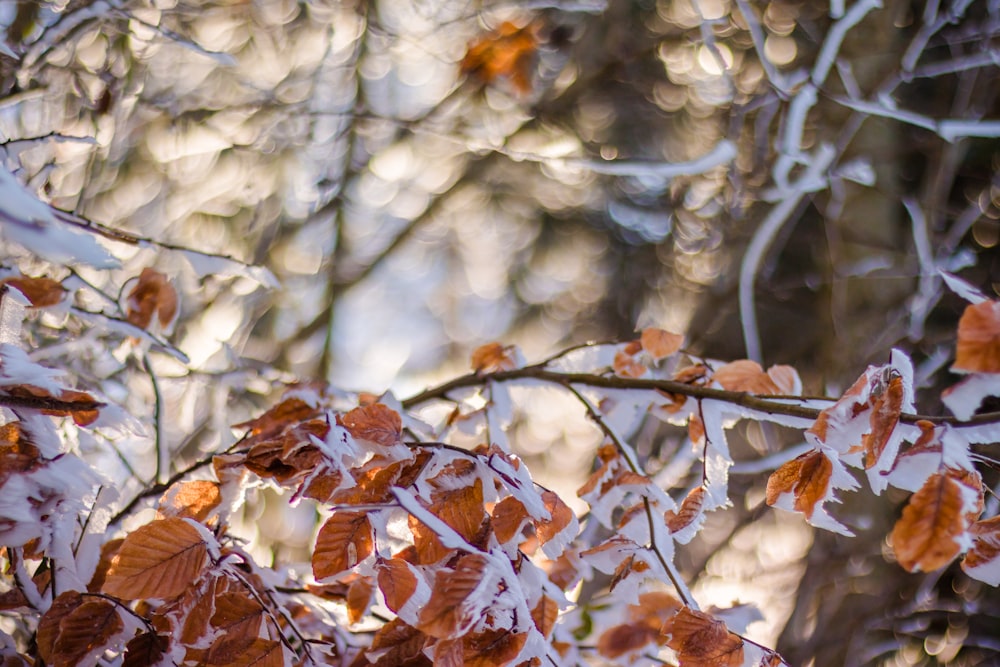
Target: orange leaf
745,375
40,292
981,560
702,641
806,476
625,638
260,653
344,541
191,500
395,644
689,510
659,343
978,348
493,357
397,582
925,536
376,423
158,560
359,596
77,628
507,52
544,615
237,618
492,648
886,408
279,417
444,616
152,294
508,518
562,515
460,508
626,364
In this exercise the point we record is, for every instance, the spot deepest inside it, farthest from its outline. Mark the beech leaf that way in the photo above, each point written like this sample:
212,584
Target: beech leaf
376,423
152,295
982,561
926,536
344,541
978,347
659,343
703,641
158,560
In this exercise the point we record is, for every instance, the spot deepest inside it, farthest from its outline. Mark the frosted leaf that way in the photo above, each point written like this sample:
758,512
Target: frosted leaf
16,369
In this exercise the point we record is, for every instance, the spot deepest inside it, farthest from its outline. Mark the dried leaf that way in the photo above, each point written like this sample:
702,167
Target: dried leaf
396,644
344,541
238,618
886,408
982,562
84,415
444,615
158,560
807,477
689,510
493,357
152,294
702,641
40,292
745,375
492,648
544,615
626,638
397,581
460,508
626,364
561,513
145,650
926,536
376,423
359,596
76,629
978,347
507,52
260,653
196,500
279,417
508,518
659,343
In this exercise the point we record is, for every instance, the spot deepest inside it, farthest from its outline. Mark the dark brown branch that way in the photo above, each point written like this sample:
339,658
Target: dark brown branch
776,405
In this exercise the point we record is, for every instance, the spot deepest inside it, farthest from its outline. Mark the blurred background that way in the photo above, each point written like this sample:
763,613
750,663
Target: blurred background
777,180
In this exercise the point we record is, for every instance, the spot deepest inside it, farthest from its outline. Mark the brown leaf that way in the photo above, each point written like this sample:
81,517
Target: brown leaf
507,52
444,616
281,416
238,618
806,477
544,615
344,541
145,650
152,294
108,551
260,653
158,560
626,364
397,581
886,408
745,375
659,343
376,423
689,510
562,515
978,347
493,357
508,518
359,596
40,292
397,645
925,536
625,638
985,544
492,648
702,641
75,628
460,508
191,500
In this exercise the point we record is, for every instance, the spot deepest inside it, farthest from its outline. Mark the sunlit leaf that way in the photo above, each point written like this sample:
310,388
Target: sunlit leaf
158,560
978,347
927,535
703,641
508,52
344,541
152,295
658,343
376,423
